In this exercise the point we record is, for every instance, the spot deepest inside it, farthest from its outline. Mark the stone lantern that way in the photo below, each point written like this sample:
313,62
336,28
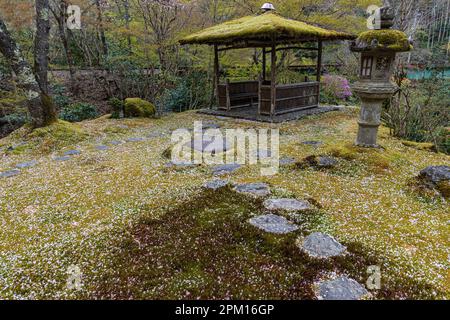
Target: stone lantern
378,49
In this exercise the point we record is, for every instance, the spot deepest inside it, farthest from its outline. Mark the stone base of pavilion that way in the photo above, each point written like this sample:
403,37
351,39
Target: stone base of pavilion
251,113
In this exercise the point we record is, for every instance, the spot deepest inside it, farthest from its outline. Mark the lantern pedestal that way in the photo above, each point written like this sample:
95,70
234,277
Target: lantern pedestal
372,96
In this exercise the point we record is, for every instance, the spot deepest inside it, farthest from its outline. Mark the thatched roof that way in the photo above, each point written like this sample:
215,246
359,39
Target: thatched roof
254,30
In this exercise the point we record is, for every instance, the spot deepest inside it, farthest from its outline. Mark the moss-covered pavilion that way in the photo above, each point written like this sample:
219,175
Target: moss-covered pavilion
270,32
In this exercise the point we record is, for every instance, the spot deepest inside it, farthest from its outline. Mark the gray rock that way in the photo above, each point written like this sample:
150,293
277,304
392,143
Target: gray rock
215,184
115,142
319,245
287,161
342,288
326,162
225,168
72,153
155,135
9,173
172,164
61,159
263,154
273,224
102,148
312,143
210,144
436,174
290,205
25,165
255,189
135,139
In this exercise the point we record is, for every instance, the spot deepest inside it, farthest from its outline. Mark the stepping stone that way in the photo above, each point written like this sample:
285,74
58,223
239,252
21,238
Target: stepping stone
72,153
25,165
273,224
61,159
225,168
326,162
216,184
171,164
342,288
263,154
207,126
9,173
323,246
255,189
290,205
312,143
155,135
210,145
135,139
102,148
115,142
287,161
436,174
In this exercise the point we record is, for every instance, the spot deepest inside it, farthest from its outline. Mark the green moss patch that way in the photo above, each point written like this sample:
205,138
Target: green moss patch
392,40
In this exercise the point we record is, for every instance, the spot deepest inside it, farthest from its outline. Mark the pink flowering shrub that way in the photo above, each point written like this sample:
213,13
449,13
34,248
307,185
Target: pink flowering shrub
335,89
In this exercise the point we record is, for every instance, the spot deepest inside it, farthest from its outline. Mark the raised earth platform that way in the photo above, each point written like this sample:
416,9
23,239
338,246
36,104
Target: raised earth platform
251,113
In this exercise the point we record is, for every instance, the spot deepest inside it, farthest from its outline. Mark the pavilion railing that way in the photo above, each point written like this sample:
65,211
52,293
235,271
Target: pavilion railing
289,98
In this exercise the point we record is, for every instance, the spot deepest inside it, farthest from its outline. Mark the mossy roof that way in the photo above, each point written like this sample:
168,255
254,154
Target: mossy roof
252,30
387,40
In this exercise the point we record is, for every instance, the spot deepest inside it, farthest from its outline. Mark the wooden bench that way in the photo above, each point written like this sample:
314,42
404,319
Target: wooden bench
234,95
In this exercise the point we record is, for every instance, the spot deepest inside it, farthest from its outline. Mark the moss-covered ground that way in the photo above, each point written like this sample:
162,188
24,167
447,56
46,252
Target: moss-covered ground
138,229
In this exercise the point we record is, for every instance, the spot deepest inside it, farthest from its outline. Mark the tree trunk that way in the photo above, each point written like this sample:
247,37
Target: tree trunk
40,105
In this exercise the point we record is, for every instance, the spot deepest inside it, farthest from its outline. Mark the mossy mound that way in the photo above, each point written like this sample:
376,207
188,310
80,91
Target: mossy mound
389,40
47,139
136,107
420,145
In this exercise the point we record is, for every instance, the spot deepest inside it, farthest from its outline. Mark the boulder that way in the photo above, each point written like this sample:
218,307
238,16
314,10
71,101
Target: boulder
136,107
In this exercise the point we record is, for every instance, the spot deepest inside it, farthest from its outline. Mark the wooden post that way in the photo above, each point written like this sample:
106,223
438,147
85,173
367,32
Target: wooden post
216,73
273,67
264,64
319,69
228,95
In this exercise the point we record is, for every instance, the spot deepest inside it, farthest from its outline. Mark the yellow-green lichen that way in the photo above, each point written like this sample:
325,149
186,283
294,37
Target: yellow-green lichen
136,107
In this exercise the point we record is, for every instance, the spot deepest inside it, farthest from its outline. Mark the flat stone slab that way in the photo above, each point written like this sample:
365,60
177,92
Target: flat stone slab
290,205
61,159
225,168
25,165
215,184
273,224
436,174
210,144
9,173
101,148
287,161
135,139
255,189
115,142
323,246
72,152
342,288
326,162
313,143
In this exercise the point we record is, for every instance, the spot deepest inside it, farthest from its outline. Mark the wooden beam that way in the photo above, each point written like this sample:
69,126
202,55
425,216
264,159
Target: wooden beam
264,63
295,48
319,70
216,73
273,79
319,62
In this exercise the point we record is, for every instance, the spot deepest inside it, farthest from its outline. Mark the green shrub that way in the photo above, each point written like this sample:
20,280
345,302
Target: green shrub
117,107
61,101
78,112
192,91
136,107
